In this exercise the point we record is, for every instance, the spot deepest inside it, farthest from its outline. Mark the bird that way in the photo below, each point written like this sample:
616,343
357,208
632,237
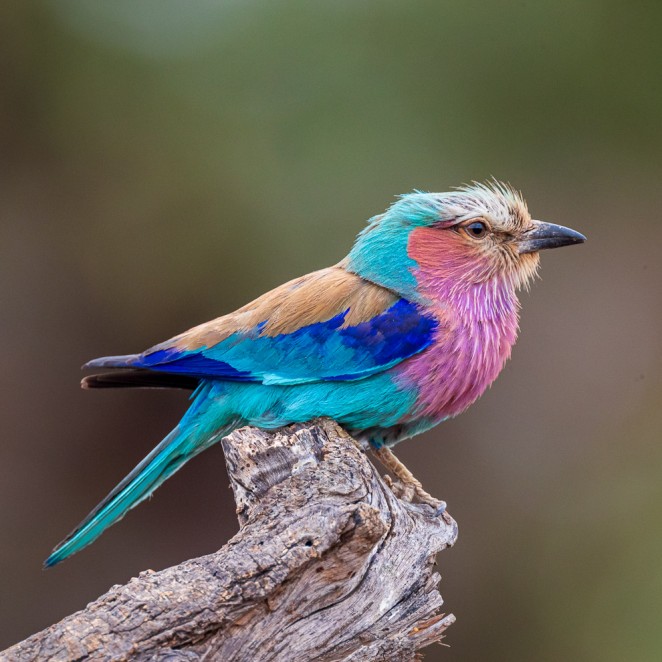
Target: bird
406,331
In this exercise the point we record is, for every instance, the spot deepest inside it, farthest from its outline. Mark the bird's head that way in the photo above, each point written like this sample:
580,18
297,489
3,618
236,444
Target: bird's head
427,244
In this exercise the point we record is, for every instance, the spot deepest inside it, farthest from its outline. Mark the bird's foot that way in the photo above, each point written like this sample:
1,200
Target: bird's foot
404,491
437,505
406,487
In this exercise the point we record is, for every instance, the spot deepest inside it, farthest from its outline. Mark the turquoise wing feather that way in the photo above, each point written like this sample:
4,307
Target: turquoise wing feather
336,346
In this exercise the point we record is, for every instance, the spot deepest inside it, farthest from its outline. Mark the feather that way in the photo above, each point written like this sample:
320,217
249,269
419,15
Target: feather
178,447
330,325
139,379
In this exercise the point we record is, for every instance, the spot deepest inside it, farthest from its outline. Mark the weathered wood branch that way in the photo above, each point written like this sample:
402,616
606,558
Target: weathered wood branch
328,565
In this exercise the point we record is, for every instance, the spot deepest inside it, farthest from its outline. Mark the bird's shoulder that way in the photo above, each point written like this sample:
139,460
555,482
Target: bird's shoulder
302,302
327,325
330,325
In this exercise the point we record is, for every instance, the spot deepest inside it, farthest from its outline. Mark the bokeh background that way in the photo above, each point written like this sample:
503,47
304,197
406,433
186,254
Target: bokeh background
164,162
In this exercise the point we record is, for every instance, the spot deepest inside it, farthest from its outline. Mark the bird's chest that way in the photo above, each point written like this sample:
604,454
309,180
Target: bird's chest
464,359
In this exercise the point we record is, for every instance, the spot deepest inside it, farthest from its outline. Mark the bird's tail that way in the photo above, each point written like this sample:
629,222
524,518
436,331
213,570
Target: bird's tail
183,443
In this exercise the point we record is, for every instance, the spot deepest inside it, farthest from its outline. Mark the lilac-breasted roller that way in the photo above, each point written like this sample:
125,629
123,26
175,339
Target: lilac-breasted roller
406,331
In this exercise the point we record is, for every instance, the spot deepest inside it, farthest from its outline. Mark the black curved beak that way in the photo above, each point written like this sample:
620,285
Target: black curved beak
548,235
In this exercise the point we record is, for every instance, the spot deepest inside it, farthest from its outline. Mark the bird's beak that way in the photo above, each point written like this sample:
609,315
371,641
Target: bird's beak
547,235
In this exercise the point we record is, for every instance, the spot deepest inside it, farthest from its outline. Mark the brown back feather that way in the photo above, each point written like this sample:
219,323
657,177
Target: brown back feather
315,297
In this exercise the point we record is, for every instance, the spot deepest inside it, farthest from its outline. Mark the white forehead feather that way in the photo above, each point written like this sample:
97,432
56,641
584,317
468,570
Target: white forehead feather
494,200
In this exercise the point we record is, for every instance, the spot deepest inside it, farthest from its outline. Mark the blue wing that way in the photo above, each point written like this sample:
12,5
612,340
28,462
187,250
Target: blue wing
328,350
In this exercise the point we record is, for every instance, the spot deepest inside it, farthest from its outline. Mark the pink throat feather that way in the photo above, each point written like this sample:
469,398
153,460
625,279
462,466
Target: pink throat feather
478,324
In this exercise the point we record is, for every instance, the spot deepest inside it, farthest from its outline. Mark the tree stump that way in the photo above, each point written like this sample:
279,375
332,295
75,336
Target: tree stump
327,565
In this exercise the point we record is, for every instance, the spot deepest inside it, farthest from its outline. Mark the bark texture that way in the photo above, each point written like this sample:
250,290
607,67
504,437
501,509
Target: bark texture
328,565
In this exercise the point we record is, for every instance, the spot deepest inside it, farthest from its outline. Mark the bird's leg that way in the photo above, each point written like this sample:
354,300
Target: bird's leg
409,486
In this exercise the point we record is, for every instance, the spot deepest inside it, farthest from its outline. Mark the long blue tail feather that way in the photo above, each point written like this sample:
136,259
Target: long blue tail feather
178,447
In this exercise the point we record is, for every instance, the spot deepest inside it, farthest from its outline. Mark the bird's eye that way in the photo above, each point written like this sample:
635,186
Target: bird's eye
476,230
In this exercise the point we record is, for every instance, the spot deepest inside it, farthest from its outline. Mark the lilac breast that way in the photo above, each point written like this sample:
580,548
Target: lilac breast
473,342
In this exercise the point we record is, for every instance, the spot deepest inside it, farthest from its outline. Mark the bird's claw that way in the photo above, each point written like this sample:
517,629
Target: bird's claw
395,486
403,491
438,506
408,492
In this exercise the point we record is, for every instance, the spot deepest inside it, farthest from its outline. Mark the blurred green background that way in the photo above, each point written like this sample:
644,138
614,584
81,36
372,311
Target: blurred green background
164,162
